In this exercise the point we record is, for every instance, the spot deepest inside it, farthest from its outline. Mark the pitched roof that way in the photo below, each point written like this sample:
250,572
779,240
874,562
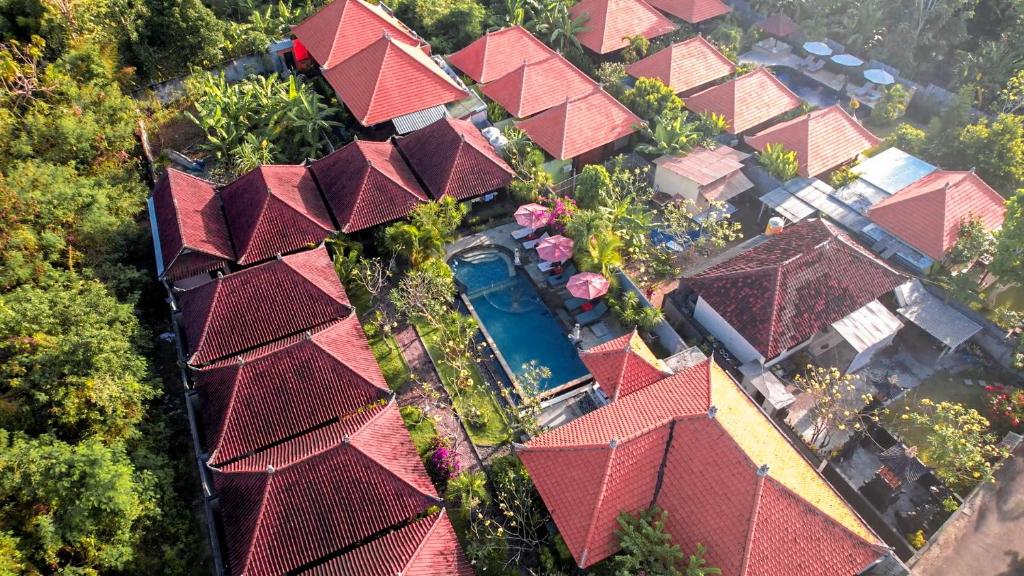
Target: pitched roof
623,365
499,52
704,166
279,391
389,78
927,213
367,183
535,87
684,65
822,139
282,513
274,210
344,27
708,442
747,101
692,11
426,547
794,284
193,234
580,125
261,304
453,158
610,23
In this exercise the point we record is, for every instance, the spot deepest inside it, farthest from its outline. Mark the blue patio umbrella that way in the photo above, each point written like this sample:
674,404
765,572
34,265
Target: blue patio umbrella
848,60
818,48
880,77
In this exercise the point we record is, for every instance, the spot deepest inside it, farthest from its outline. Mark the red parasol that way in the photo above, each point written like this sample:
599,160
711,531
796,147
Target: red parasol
588,285
533,216
778,25
556,248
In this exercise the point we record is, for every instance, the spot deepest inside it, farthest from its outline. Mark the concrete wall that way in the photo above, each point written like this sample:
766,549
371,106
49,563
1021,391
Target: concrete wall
669,182
668,337
725,333
234,70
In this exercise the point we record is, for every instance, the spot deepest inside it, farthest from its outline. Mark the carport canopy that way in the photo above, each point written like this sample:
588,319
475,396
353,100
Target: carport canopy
931,314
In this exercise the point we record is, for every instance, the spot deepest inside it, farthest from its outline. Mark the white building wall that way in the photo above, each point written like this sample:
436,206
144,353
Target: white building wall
669,182
725,333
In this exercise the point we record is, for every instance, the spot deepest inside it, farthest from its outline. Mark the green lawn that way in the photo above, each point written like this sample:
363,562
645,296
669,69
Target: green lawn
396,372
495,430
420,428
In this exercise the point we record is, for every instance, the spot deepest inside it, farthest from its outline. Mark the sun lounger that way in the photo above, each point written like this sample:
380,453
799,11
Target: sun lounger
806,62
560,279
573,304
521,233
816,65
545,266
593,315
531,244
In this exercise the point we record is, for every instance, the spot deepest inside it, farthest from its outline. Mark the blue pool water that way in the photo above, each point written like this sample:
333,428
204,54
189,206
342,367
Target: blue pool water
520,324
808,89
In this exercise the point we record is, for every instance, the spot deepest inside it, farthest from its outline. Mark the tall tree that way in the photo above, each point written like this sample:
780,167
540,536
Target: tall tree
1008,261
646,547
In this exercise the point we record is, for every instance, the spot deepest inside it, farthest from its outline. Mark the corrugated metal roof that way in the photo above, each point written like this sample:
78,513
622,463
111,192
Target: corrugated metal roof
414,121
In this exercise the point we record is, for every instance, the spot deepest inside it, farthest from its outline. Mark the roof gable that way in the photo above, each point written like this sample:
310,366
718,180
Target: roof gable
344,27
453,158
746,102
692,11
274,210
623,365
684,65
499,52
192,230
610,23
535,87
578,126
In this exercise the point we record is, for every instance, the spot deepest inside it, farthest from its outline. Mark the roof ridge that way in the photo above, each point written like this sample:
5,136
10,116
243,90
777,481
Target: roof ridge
292,267
819,512
305,217
613,445
229,409
382,465
209,312
250,547
755,510
438,518
337,31
386,38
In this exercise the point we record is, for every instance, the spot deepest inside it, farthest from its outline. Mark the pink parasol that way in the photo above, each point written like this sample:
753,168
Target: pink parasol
556,248
587,285
533,216
778,25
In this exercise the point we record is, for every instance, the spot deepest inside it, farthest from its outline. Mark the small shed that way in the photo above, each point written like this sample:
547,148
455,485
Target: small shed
849,343
702,175
766,388
943,322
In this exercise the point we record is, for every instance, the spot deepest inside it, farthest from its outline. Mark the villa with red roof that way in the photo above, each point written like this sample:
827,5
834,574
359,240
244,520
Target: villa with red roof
609,24
452,158
586,129
694,444
692,11
823,140
684,66
499,52
747,102
535,87
702,176
927,214
623,365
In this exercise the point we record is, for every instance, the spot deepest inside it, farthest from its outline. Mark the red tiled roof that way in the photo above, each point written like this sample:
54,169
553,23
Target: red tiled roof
927,213
497,53
623,365
387,79
610,23
453,158
712,484
532,88
192,231
684,65
704,166
344,27
823,139
426,547
793,285
692,11
281,516
276,392
746,102
581,125
274,210
367,183
260,305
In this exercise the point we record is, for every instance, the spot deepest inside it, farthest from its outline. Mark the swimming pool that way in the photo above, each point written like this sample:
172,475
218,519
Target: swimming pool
519,324
808,89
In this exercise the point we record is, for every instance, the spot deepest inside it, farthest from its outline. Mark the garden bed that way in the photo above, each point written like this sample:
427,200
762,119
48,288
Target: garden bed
392,364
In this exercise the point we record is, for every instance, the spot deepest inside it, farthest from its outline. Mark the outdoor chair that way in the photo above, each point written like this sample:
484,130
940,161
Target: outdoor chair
864,90
546,266
816,65
531,244
560,279
806,62
521,233
593,315
573,304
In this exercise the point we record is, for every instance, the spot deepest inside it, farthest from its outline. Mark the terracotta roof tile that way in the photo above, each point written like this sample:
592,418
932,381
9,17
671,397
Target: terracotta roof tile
366,184
192,230
623,365
453,158
684,65
704,166
344,27
788,288
823,139
274,210
535,87
261,304
746,102
692,11
499,52
581,125
610,23
927,213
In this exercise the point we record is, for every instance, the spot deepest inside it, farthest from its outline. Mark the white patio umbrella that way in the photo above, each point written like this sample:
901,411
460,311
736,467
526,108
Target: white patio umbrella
880,77
848,60
818,48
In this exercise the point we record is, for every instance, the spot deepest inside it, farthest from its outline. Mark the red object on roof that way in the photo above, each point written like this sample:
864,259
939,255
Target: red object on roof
793,285
611,23
623,365
344,27
823,139
678,444
387,79
927,214
684,65
366,184
497,53
279,391
453,158
746,102
299,51
578,126
274,210
692,11
426,547
283,512
533,88
192,231
261,304
778,24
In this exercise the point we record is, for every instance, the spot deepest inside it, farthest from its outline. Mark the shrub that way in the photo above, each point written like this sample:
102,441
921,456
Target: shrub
1005,407
650,97
908,138
842,177
780,163
950,504
892,106
917,539
443,463
474,416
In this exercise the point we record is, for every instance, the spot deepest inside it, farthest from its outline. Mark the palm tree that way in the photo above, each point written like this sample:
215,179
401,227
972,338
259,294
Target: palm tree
602,255
310,119
780,163
415,243
558,27
469,490
674,134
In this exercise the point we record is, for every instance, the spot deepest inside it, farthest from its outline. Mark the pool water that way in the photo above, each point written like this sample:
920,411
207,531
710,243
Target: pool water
517,320
808,89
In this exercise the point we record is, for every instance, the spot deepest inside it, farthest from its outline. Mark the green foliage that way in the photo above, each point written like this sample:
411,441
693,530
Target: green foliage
1011,96
716,230
780,163
1008,260
551,21
495,113
650,98
917,539
973,241
501,539
636,49
429,228
843,176
601,253
611,75
265,26
674,134
950,504
908,138
175,34
892,106
995,149
468,491
728,39
628,308
593,186
425,292
449,25
646,547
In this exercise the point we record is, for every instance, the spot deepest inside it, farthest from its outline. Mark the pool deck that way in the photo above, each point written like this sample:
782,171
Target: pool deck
834,80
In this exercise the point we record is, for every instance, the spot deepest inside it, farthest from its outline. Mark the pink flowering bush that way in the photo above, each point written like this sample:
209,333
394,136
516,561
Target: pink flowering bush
562,208
1005,407
443,463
